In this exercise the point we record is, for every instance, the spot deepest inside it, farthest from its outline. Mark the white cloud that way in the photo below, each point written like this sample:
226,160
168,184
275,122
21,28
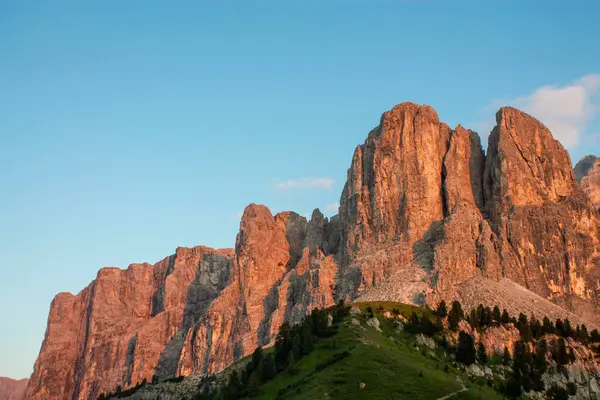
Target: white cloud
333,207
306,183
565,110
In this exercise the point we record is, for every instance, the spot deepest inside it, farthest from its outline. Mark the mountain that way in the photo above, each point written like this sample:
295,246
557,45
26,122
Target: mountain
12,389
587,172
424,214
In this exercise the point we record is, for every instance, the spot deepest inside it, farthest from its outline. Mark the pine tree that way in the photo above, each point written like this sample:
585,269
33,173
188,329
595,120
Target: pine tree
319,320
267,368
526,333
506,356
427,327
536,327
414,324
496,316
560,328
568,329
283,345
585,336
505,317
481,354
340,311
523,364
291,363
296,344
306,338
541,348
595,336
455,316
487,317
257,357
473,319
465,352
560,355
479,316
522,320
547,326
441,311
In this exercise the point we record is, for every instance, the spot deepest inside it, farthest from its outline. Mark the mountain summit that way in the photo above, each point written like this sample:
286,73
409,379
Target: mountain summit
424,216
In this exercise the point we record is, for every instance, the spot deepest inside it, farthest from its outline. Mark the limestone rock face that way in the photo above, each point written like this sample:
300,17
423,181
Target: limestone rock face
114,331
587,172
547,234
412,207
280,273
394,185
12,389
194,312
425,215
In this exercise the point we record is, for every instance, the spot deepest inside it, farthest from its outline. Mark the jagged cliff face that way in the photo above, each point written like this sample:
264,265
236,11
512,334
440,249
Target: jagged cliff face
282,270
587,172
114,332
430,221
194,312
424,215
413,182
546,232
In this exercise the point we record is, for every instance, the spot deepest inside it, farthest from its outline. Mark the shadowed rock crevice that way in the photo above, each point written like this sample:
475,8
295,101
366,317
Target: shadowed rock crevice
213,274
271,303
158,298
130,357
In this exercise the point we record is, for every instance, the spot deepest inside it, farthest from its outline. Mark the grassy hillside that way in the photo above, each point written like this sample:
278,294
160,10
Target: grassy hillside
384,350
389,364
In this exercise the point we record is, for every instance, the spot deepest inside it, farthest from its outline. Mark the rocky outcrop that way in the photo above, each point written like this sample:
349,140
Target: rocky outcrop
420,194
281,272
546,232
424,216
12,389
587,172
114,332
193,312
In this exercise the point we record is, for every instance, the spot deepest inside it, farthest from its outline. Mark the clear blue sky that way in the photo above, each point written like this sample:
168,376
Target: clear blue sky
130,128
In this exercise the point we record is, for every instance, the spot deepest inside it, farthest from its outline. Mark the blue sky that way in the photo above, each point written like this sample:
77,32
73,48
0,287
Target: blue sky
130,128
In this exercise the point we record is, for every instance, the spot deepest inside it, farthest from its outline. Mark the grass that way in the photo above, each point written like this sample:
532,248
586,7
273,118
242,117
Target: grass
386,362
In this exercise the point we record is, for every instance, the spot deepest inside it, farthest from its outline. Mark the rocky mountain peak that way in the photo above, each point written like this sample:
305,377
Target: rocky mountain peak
587,172
526,165
424,215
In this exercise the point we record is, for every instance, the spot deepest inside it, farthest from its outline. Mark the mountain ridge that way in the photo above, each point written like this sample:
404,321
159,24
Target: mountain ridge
421,200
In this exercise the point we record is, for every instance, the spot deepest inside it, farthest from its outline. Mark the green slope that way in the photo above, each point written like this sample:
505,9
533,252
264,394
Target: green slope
387,362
